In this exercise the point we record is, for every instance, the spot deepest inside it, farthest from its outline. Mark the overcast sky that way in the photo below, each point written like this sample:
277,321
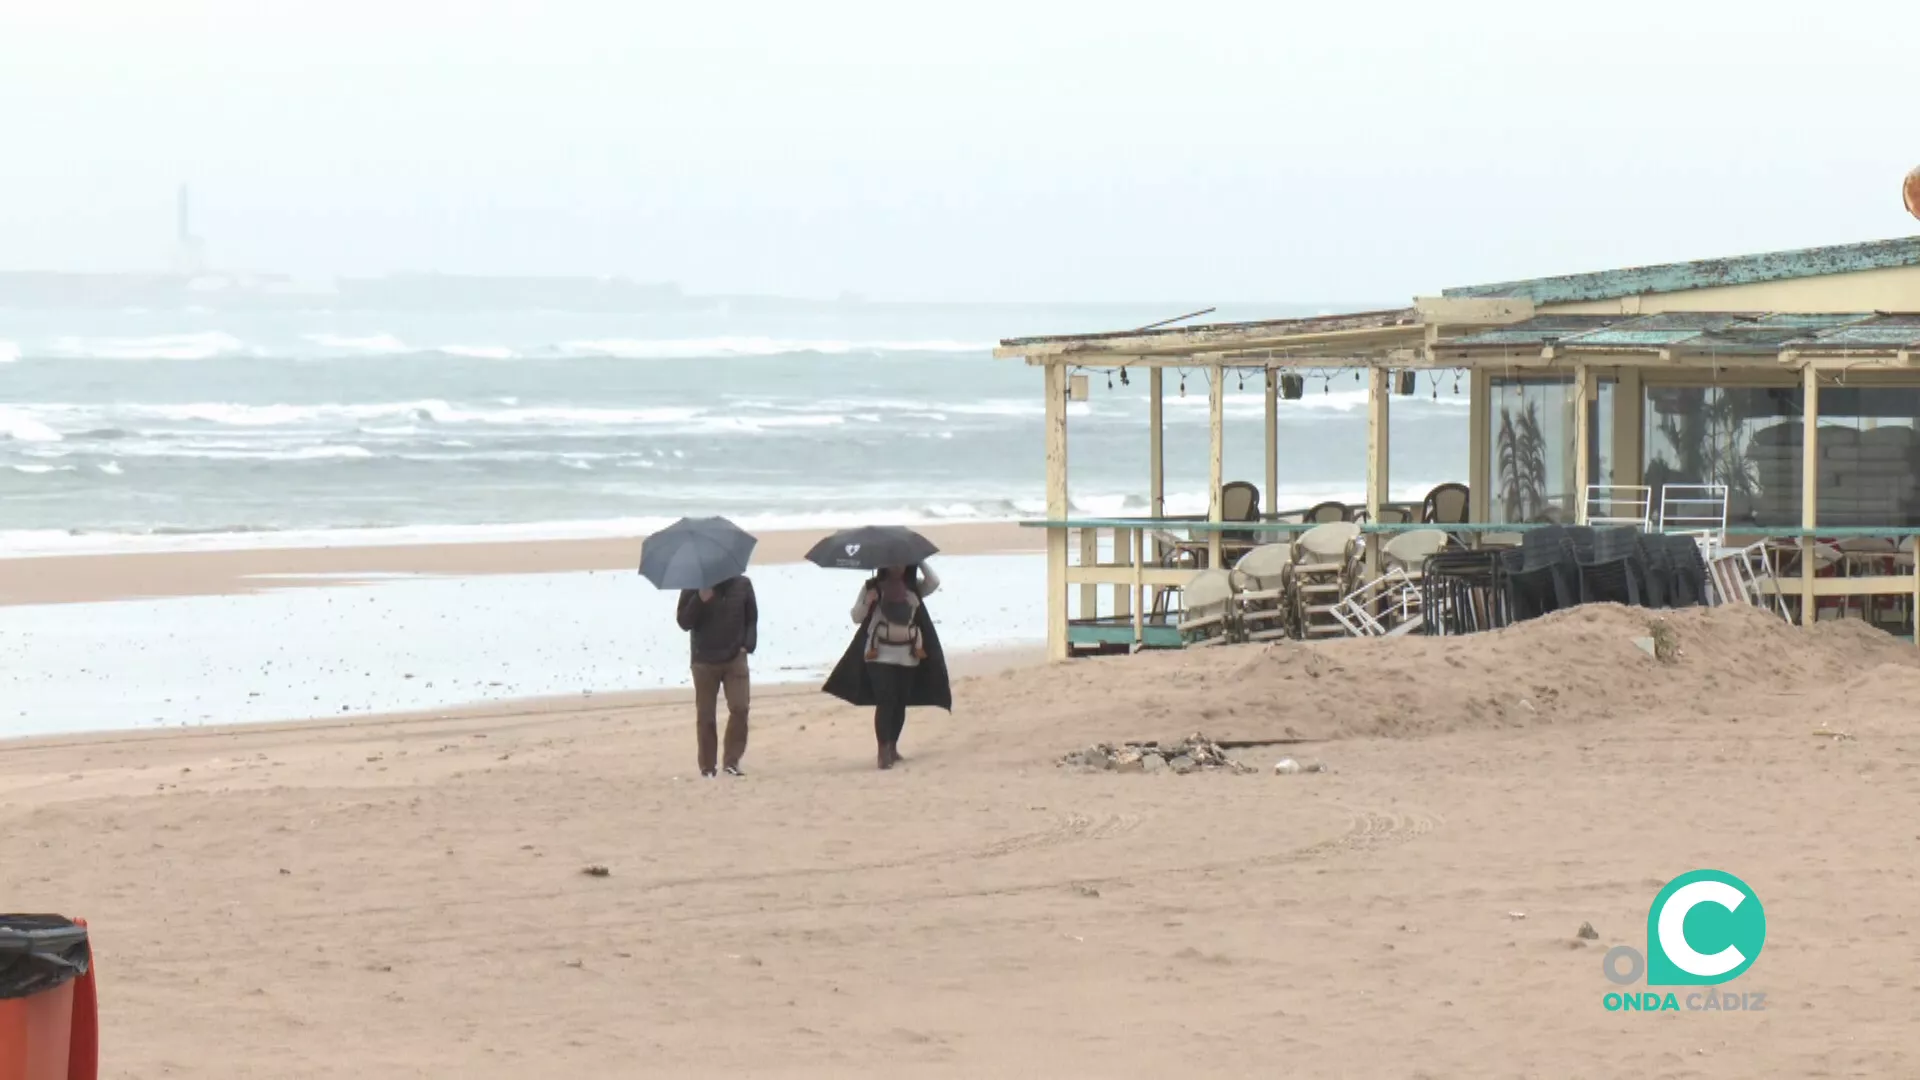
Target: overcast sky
1037,150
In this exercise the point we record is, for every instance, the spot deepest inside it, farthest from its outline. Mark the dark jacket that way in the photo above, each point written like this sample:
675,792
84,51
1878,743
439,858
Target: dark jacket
718,629
931,688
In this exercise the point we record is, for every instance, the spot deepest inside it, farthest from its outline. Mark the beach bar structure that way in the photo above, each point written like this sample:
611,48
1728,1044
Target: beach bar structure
1791,378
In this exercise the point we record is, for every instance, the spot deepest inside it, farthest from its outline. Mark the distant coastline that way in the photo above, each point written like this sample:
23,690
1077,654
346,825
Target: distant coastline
415,293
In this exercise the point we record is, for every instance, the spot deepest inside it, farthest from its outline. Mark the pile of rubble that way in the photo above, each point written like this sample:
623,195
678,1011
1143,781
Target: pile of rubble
1196,753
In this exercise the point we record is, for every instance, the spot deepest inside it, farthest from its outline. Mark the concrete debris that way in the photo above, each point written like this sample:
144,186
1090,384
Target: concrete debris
1194,754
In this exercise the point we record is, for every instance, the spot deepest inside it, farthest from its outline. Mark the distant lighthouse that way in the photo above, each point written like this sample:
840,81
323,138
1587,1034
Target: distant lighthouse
188,257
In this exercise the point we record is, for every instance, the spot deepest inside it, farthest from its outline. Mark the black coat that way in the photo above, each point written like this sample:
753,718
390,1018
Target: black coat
931,688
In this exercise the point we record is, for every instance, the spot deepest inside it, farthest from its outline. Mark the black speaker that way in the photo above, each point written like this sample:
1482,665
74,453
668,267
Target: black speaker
1403,383
1292,387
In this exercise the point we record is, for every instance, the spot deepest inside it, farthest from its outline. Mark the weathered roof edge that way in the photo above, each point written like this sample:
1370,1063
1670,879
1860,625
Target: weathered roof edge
1224,333
1705,273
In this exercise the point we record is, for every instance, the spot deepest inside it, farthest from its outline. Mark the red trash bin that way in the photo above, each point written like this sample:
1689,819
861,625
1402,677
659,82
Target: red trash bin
48,1024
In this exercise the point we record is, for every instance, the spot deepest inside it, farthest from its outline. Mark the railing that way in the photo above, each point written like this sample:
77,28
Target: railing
1120,591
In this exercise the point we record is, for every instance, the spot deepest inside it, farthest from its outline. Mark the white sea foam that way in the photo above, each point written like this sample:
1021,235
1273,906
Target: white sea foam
17,425
9,352
372,343
697,348
479,352
200,346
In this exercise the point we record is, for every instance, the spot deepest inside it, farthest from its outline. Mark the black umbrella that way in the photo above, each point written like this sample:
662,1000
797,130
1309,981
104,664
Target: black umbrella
871,548
695,553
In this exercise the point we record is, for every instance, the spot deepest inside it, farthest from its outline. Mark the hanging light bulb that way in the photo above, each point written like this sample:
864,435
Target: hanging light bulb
1109,380
1123,377
1183,382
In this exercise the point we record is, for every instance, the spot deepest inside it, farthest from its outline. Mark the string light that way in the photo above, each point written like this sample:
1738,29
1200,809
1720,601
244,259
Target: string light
1183,382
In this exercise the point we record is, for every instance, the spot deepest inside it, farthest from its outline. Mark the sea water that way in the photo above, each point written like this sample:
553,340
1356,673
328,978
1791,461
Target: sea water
199,428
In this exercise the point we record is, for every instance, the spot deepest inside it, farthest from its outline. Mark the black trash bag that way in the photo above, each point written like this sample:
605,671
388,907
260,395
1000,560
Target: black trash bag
39,953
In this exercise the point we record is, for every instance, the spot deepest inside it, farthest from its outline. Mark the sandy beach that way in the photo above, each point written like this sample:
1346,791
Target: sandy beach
404,897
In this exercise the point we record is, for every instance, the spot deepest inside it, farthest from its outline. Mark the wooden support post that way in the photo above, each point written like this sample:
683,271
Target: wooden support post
1271,497
1378,466
1156,441
1057,510
1216,435
1582,441
1089,556
1628,432
1139,588
1809,487
1157,454
1479,455
1123,555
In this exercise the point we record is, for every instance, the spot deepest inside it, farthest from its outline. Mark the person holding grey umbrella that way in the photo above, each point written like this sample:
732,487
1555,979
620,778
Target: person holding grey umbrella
706,560
894,661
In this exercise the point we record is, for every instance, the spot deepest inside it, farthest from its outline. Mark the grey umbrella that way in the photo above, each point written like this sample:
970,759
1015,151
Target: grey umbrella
871,548
696,553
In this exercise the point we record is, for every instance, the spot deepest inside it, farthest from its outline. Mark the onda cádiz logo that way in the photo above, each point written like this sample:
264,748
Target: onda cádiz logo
1704,929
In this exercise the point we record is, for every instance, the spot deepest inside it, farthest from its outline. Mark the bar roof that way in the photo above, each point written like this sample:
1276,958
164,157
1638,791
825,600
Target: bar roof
1704,273
1749,333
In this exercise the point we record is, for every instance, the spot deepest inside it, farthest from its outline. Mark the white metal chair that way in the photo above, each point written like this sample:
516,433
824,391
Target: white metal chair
1696,510
1745,576
1607,505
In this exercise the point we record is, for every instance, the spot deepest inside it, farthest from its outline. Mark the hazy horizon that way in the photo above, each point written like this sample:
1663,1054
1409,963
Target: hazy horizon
1116,153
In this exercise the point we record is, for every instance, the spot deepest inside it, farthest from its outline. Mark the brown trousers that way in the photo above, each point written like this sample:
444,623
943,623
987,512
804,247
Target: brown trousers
708,682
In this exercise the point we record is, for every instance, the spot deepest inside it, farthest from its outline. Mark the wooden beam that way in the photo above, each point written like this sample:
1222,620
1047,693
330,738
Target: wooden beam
1089,556
1629,400
1479,418
1379,395
1139,588
1874,585
1582,440
1156,441
1809,486
1271,498
1458,311
1057,510
1166,577
1216,444
1202,339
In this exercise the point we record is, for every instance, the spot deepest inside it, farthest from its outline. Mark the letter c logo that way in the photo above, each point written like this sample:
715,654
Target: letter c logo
1673,933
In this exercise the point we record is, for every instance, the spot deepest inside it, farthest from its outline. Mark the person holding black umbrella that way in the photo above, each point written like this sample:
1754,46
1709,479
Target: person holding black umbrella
895,661
706,559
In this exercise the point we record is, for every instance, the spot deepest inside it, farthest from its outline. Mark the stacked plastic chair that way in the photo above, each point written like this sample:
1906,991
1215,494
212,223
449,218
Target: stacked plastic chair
1689,569
1616,571
1463,592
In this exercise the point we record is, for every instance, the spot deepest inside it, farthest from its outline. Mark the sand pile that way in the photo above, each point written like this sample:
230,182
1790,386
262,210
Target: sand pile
1576,666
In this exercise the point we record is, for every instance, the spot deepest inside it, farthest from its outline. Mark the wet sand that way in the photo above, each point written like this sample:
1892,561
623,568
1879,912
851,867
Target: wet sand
61,579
